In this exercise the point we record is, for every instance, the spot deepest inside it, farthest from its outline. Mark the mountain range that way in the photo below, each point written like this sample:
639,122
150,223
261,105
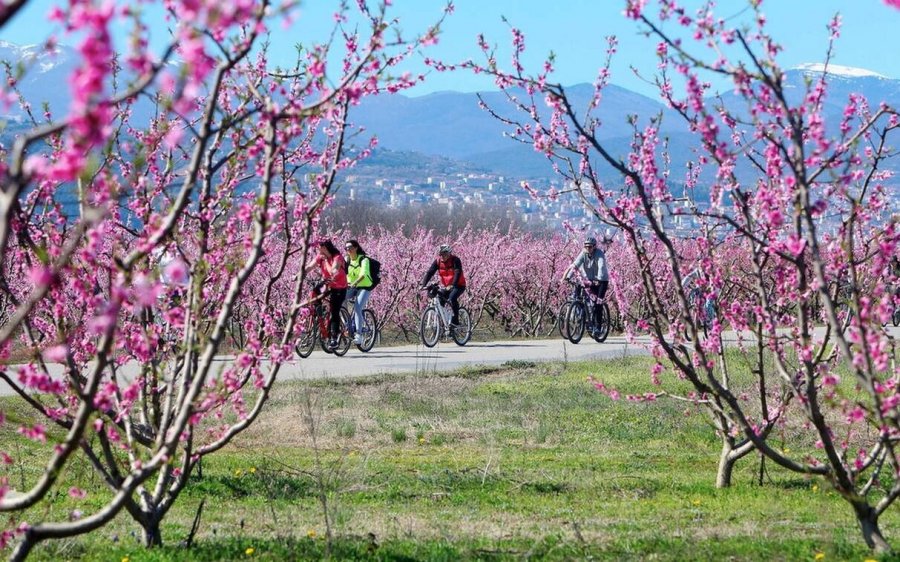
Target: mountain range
451,125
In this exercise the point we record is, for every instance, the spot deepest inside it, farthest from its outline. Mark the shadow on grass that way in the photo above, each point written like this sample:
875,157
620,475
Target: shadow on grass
269,485
552,547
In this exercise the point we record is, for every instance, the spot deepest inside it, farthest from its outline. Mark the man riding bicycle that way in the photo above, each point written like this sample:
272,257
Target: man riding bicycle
450,274
591,265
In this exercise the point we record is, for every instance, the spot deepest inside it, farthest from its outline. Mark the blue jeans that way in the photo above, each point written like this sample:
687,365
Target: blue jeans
362,299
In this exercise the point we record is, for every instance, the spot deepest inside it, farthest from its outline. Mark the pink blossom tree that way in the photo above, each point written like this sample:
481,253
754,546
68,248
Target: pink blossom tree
123,303
791,248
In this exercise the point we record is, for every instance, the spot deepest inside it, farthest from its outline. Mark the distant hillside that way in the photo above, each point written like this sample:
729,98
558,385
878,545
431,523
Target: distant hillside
449,131
452,124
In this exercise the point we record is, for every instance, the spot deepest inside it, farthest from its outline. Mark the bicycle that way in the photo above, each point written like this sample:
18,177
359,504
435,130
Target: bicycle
703,312
581,315
314,328
436,320
369,329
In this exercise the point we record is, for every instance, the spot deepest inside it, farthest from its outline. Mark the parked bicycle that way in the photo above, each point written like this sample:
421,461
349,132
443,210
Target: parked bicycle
436,320
369,329
580,315
314,329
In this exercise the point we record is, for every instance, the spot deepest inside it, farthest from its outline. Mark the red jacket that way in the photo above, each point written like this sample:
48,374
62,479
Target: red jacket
333,271
449,271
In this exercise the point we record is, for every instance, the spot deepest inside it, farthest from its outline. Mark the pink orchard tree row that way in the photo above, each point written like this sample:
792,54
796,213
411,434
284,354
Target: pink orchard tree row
805,199
514,277
175,218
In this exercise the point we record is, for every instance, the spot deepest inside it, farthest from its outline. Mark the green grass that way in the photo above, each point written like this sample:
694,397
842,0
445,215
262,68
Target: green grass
522,462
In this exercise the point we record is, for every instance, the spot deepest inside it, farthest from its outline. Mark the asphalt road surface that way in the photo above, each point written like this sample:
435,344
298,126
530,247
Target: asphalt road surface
418,359
446,356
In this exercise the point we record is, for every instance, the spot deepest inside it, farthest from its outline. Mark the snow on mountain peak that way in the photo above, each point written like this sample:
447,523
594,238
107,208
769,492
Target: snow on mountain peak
838,70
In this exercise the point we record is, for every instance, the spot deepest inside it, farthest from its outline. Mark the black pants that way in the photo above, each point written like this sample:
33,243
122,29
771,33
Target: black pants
598,291
452,294
335,302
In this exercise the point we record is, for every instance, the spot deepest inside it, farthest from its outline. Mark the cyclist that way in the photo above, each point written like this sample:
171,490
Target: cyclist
359,281
691,284
334,280
591,265
450,274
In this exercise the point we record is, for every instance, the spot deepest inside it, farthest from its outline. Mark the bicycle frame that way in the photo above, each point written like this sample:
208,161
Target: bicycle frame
445,313
581,294
436,321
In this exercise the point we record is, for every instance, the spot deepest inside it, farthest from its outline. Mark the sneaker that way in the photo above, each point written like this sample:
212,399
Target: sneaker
332,343
358,339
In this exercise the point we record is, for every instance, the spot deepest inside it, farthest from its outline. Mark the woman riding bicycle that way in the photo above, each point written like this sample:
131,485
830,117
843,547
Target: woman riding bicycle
359,280
331,266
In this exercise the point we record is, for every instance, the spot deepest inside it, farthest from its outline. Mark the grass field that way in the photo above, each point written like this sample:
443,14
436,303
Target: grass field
519,462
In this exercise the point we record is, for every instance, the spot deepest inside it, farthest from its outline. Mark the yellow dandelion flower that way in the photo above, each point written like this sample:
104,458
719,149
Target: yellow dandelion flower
311,533
126,559
252,470
421,439
870,560
815,487
695,503
820,556
786,450
250,550
238,472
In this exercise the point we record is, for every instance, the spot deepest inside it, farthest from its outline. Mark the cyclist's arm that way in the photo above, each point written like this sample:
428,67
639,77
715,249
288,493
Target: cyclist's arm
601,264
430,273
312,265
365,271
573,266
457,271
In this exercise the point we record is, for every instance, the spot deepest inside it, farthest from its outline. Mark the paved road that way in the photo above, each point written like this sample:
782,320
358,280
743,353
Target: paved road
443,357
448,356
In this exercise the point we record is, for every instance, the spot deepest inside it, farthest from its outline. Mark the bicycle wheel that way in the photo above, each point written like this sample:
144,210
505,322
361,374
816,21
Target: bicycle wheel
344,340
575,319
462,332
561,322
601,326
307,340
369,331
430,327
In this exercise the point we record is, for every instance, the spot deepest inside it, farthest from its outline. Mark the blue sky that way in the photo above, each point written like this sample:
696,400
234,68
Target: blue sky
575,31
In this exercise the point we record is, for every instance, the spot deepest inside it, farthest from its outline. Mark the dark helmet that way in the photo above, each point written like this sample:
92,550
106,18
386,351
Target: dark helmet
445,249
590,241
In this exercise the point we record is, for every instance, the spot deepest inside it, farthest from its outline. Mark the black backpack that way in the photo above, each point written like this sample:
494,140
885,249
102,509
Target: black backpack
374,271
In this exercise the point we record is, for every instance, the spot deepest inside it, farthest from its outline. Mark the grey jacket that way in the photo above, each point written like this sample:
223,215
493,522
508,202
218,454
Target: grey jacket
593,266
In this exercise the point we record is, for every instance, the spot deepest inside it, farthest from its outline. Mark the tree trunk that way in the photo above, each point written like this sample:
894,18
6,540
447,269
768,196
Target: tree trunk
152,536
23,549
726,465
868,524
